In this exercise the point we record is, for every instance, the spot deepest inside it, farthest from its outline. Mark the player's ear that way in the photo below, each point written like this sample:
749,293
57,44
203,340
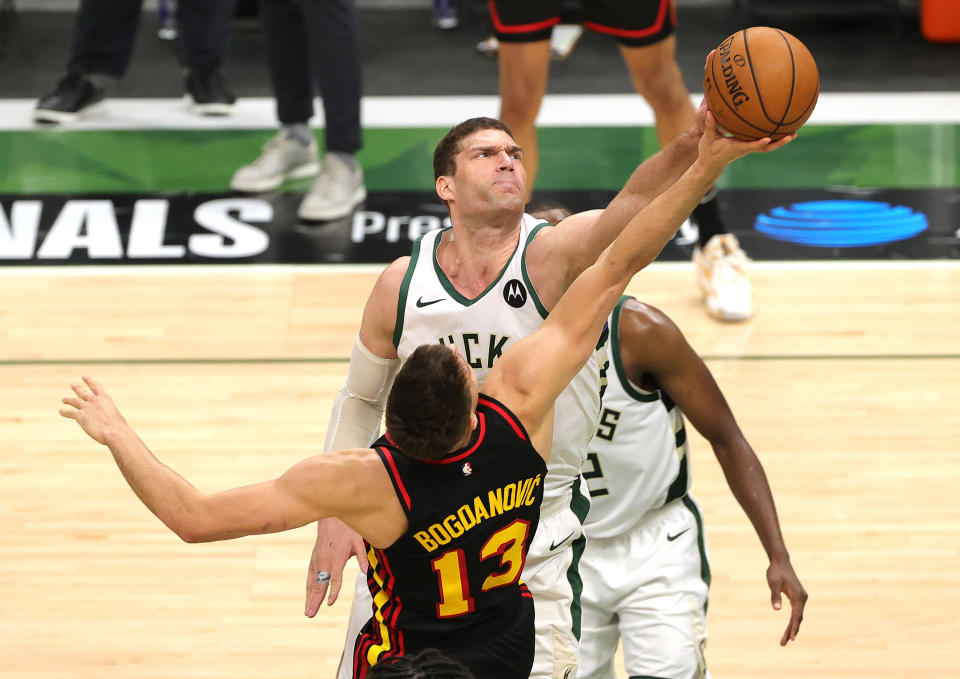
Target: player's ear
445,186
473,421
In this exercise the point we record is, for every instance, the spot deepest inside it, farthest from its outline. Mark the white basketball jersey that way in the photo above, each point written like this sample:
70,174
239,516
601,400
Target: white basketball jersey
638,458
432,310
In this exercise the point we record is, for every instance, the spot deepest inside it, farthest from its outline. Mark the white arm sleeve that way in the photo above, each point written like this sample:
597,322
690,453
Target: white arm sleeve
358,408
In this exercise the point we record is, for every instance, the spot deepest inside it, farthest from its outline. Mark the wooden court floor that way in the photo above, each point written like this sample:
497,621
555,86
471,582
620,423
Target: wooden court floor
847,383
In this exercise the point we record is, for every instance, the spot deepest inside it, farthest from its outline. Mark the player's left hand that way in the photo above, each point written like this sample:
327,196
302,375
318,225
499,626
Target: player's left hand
783,580
93,410
717,148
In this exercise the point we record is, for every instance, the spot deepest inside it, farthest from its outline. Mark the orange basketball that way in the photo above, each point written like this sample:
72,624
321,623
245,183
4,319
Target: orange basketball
761,82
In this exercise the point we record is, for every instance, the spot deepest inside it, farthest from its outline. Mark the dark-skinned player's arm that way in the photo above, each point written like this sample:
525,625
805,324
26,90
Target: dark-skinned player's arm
651,344
323,485
530,375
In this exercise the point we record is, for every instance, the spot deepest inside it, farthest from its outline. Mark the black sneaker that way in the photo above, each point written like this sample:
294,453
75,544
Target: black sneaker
208,93
77,94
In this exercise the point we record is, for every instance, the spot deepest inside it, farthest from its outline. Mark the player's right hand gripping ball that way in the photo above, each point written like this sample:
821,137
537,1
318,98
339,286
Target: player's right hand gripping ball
761,82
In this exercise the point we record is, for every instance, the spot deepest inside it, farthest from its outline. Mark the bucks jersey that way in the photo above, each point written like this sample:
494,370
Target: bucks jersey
452,581
432,310
638,459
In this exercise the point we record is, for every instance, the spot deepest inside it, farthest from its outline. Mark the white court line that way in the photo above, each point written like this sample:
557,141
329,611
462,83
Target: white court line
339,269
559,110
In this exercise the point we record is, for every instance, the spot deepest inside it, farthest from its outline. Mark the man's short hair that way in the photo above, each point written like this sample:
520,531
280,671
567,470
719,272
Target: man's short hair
427,664
444,156
428,409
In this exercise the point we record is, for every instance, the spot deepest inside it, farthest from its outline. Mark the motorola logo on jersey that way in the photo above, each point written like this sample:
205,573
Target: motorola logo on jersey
514,293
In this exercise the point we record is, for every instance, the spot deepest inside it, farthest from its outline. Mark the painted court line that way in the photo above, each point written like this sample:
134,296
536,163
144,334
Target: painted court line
38,363
578,110
248,270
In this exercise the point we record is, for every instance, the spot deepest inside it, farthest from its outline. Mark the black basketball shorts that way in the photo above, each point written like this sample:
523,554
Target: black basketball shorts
633,23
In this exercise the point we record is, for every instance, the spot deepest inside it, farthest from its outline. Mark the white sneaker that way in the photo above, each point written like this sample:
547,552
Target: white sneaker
489,46
721,276
334,193
282,159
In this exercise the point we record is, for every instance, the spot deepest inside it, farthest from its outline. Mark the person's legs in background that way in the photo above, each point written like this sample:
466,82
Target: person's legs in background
721,264
524,68
523,31
656,77
103,39
647,40
334,48
645,31
205,30
293,153
103,46
312,45
445,14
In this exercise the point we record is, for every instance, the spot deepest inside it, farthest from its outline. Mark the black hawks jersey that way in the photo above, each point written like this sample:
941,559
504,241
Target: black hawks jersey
452,581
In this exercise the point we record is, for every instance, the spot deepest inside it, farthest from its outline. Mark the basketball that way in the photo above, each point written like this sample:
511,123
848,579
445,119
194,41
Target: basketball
761,82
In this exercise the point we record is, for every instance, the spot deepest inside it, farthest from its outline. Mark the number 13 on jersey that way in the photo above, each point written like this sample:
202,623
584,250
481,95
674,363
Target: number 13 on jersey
451,569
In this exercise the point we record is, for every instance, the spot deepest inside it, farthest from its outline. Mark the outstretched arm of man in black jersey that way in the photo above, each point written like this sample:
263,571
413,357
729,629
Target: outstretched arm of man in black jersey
351,484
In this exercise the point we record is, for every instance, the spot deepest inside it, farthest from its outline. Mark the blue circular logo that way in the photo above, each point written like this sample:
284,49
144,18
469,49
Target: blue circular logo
841,223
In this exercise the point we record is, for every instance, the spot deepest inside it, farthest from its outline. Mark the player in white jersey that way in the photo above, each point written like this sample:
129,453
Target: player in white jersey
493,275
645,569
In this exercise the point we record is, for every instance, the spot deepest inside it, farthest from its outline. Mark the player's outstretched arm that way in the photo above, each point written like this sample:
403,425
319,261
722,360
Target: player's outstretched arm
354,423
308,491
577,241
535,370
651,344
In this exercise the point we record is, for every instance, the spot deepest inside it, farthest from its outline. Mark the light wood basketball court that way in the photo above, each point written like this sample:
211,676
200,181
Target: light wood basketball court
847,383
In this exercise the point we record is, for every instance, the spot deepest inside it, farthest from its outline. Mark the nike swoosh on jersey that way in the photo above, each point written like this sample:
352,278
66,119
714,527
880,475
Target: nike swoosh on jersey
671,538
421,303
554,545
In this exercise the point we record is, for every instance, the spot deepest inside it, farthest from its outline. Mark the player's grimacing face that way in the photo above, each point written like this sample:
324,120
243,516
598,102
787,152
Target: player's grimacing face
489,163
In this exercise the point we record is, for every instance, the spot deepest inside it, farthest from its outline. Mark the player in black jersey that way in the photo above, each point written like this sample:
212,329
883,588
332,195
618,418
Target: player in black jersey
447,501
452,579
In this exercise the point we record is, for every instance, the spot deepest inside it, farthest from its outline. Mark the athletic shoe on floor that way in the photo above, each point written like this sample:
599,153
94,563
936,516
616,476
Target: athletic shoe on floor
489,46
207,93
282,159
76,95
721,277
335,192
445,14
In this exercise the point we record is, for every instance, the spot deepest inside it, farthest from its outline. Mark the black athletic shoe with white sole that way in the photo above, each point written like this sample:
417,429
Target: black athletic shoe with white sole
207,93
76,95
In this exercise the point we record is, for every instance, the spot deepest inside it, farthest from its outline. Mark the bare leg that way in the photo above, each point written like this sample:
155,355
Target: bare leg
720,262
657,78
523,81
